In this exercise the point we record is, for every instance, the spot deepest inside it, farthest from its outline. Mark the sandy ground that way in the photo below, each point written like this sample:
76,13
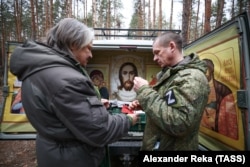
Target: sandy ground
17,153
21,153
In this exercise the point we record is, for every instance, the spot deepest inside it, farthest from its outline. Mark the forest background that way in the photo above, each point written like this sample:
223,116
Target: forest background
30,19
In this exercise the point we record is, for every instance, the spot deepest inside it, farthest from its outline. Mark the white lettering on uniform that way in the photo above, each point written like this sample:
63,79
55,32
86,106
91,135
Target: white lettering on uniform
170,97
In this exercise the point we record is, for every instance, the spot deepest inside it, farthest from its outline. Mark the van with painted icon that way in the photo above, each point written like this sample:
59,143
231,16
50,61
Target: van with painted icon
225,123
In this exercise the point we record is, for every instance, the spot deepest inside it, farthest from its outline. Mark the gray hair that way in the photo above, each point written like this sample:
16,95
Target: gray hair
69,32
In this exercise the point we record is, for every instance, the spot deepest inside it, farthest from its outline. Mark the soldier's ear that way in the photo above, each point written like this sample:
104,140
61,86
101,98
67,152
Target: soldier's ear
172,45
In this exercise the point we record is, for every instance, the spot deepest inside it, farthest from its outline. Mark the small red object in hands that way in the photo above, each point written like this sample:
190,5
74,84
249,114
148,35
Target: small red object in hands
126,110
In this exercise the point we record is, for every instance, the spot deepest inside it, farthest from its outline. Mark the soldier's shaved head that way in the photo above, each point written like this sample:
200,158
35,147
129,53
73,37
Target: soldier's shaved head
165,38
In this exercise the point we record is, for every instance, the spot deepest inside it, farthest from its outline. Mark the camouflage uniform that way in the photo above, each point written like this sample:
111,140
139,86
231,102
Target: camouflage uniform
175,105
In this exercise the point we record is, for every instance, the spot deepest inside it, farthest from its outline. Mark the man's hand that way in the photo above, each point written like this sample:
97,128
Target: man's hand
134,105
139,82
105,102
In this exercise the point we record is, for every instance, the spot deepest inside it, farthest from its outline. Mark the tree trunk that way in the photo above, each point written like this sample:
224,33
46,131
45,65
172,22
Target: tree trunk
240,6
46,8
116,21
219,12
171,15
144,13
109,16
202,24
85,11
232,11
39,33
197,20
190,4
70,8
51,14
160,15
33,20
3,35
185,20
149,15
154,10
140,17
94,12
18,19
207,27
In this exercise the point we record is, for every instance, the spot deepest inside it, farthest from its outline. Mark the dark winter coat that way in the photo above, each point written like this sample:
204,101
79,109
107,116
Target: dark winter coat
61,103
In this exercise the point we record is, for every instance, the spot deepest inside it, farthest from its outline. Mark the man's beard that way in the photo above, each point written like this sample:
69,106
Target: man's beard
128,85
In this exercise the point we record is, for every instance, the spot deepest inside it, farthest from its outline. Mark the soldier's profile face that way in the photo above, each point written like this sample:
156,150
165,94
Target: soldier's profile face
128,74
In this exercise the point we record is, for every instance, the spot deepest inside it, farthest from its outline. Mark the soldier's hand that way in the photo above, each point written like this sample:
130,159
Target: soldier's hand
134,105
139,82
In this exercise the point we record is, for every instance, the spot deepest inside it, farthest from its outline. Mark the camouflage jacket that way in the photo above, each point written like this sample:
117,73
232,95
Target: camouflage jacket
174,106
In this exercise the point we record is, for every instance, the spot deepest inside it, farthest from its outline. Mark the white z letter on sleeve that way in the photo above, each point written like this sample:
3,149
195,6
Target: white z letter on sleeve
170,97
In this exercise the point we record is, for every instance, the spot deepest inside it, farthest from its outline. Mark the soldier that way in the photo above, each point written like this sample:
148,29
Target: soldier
175,104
